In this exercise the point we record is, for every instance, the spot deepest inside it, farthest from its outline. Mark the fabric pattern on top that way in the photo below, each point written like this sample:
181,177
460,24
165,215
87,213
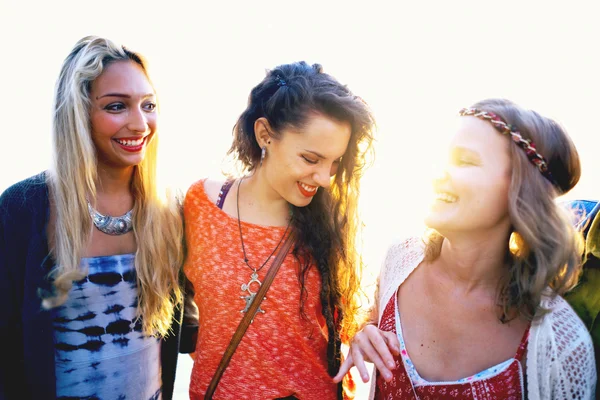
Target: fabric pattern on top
283,352
506,382
101,352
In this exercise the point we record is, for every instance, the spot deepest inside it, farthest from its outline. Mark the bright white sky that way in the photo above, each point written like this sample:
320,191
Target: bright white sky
416,63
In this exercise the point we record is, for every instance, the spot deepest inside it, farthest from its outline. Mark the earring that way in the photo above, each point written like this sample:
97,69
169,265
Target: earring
263,153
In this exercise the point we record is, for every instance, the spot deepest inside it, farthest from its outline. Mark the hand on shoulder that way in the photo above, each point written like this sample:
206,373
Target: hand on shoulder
371,344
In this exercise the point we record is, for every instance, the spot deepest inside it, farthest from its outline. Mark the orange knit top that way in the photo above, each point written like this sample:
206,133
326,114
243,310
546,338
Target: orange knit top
283,353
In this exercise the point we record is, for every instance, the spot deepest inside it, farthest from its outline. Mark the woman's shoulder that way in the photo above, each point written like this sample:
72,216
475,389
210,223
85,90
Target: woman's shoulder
561,348
402,258
208,187
404,252
202,196
24,194
563,319
564,329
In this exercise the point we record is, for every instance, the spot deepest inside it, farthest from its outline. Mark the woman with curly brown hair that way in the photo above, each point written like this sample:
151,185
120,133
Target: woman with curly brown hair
475,310
302,140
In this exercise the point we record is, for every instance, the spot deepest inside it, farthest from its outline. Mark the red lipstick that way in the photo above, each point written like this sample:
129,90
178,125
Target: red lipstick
131,148
307,193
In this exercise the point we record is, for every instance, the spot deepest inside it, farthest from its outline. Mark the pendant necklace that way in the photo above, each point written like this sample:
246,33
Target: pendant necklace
111,225
247,287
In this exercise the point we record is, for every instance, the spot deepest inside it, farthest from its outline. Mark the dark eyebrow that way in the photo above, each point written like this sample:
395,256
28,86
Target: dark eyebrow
122,95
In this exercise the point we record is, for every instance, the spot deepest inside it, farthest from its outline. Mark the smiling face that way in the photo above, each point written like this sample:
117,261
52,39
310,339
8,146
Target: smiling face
472,195
300,161
123,114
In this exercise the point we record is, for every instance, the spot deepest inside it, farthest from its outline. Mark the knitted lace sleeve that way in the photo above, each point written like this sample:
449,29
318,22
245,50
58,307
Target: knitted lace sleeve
402,258
561,356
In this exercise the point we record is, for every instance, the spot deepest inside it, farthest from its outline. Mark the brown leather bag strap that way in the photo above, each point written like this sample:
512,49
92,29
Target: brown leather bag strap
249,316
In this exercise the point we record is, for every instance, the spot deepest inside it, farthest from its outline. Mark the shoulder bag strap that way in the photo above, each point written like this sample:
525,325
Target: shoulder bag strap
249,316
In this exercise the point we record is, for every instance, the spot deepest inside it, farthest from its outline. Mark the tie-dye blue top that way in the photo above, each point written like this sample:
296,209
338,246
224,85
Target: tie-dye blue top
101,352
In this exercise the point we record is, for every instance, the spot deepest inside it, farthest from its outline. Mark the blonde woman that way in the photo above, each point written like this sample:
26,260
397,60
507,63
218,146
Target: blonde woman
90,251
475,311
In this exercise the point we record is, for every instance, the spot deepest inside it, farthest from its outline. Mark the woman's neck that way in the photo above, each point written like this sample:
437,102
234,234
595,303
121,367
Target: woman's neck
113,190
473,262
112,181
259,198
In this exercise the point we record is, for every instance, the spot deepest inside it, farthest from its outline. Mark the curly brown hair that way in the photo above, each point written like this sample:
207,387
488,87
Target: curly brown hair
326,229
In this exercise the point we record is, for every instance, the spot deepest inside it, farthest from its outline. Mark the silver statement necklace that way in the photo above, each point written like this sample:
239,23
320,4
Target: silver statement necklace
111,225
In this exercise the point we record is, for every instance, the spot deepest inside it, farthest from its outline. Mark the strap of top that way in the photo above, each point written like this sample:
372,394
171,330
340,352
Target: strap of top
523,345
223,193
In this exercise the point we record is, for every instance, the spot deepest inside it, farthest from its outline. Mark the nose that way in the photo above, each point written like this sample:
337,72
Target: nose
323,176
138,121
440,176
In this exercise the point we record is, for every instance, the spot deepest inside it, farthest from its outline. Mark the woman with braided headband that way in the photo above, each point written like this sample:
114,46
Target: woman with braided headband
474,311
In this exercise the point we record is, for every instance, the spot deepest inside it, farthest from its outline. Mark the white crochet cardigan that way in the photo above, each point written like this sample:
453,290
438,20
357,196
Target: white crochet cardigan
560,354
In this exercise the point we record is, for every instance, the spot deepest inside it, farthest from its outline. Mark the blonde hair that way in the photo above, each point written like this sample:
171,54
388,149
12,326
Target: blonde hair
544,250
157,222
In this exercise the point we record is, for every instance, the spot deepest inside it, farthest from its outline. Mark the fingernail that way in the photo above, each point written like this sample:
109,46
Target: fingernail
391,364
387,376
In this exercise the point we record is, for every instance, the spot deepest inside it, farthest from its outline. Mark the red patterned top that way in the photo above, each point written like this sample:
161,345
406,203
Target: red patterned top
507,384
283,353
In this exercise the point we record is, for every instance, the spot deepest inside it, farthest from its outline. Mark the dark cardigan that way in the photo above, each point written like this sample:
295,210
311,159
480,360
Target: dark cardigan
27,369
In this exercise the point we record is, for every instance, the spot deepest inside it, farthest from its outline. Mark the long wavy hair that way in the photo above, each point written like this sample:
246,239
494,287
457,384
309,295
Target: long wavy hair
544,249
327,228
158,227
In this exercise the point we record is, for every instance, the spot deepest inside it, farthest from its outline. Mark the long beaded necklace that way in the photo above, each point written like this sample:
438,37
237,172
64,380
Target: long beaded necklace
247,287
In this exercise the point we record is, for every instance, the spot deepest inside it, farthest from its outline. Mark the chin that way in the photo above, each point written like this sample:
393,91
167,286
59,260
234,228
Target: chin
134,160
302,203
440,225
299,200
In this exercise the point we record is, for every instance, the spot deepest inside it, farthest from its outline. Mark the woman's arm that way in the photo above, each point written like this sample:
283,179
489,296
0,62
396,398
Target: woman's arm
11,363
189,328
373,345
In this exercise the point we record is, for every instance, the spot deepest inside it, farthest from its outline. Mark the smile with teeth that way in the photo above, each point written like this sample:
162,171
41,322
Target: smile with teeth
446,197
308,188
131,143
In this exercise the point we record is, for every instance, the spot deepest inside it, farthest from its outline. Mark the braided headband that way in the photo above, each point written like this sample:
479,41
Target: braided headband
506,129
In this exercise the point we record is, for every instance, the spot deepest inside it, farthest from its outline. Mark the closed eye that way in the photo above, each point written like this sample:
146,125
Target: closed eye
463,157
309,160
467,160
462,161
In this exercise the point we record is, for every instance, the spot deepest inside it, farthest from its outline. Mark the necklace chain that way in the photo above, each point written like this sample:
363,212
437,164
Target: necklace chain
242,236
